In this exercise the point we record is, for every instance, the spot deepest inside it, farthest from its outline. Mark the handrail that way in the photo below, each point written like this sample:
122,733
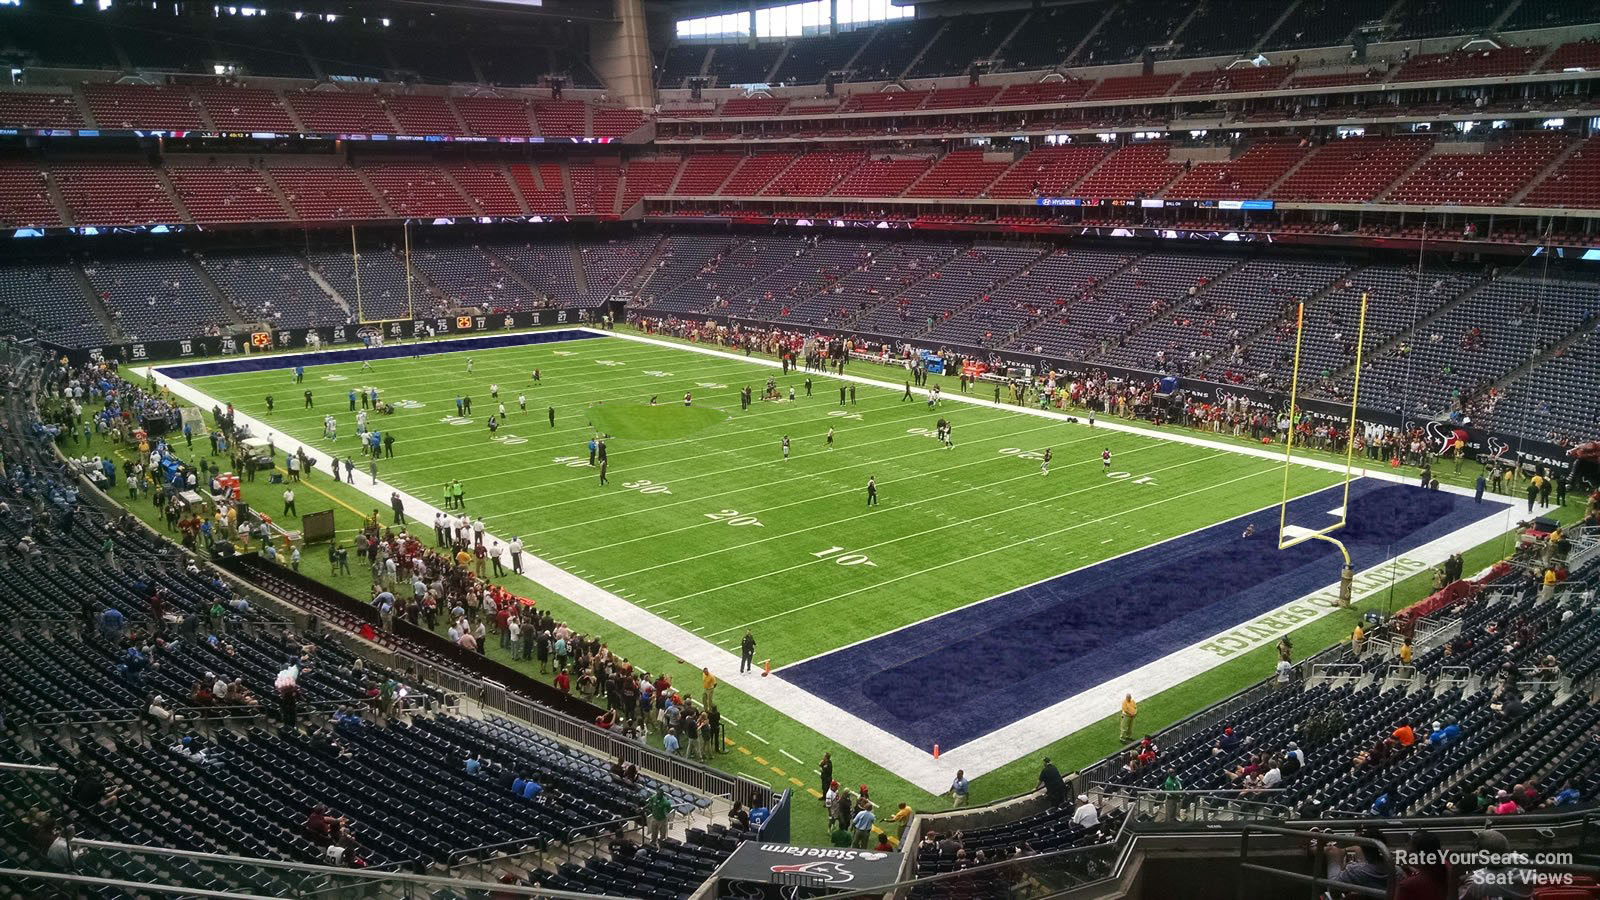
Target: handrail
29,767
1314,880
139,887
433,881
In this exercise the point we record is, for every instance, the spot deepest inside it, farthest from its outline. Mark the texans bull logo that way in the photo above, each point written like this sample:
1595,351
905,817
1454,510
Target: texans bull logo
825,871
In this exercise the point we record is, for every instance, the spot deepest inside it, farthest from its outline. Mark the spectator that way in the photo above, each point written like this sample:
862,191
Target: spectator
861,827
1358,865
659,811
1428,877
1085,816
1502,877
1055,790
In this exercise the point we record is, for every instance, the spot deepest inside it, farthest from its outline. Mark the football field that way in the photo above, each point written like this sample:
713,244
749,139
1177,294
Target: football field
968,607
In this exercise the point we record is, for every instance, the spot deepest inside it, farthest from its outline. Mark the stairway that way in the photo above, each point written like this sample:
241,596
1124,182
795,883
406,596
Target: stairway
943,26
504,267
641,277
337,298
1163,311
1041,254
277,192
377,195
471,201
1545,172
516,189
1245,341
101,312
1422,324
172,195
234,316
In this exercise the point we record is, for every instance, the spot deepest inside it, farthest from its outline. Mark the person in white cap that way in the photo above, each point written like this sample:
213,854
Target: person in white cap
1085,816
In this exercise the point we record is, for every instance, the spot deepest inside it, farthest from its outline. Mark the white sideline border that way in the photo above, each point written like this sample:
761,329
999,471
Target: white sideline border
914,764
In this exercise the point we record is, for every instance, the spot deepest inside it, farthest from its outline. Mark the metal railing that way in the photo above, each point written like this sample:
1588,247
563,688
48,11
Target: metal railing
278,878
697,777
1314,881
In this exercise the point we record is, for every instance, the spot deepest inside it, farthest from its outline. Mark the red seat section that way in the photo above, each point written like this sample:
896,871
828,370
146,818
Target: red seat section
245,109
1353,170
884,176
648,176
1575,183
1137,169
594,186
1245,78
486,185
961,173
326,192
1576,55
755,106
814,174
423,114
25,198
617,123
704,173
1244,178
561,118
891,101
1043,92
28,109
495,116
1469,64
143,106
226,194
1049,171
958,98
541,187
1131,87
417,190
340,112
112,193
754,172
1337,79
1480,179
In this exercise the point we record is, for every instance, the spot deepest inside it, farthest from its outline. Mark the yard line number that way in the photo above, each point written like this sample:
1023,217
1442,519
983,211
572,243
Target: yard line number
734,517
838,555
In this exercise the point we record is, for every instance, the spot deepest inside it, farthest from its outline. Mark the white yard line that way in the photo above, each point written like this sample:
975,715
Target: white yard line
1111,425
918,535
914,764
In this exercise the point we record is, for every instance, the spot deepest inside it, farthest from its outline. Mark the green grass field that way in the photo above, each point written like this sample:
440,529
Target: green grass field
706,524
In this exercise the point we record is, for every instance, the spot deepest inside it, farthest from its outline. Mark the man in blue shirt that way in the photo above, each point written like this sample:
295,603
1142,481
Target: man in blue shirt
1444,734
1568,796
670,743
111,623
473,764
531,789
861,825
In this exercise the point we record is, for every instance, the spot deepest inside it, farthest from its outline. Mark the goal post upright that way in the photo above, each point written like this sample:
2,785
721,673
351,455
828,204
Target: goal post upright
1323,534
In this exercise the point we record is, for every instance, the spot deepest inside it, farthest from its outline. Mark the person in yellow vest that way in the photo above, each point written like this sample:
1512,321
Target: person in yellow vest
708,683
1405,652
1129,710
1358,640
902,817
1547,591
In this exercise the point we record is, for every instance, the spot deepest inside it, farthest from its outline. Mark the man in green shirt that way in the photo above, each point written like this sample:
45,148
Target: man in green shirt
841,837
659,810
